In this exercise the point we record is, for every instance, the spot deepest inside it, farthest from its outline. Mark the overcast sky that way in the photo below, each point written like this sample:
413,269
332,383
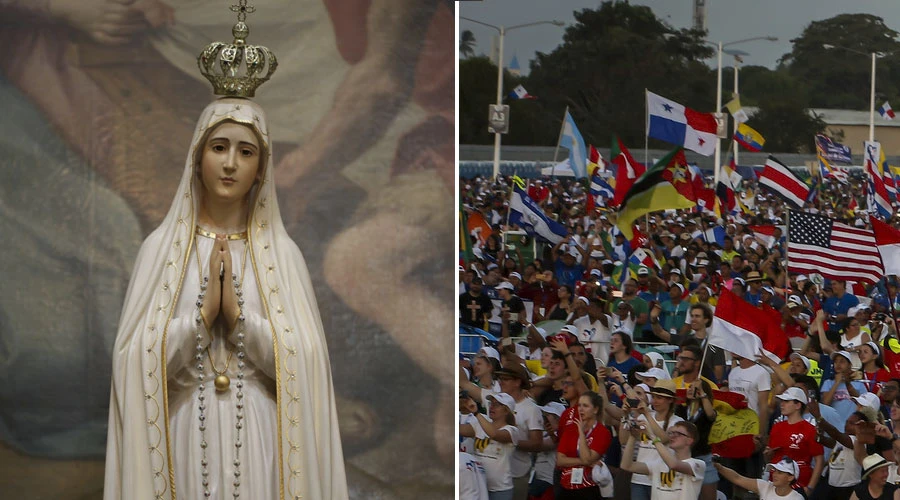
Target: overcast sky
727,20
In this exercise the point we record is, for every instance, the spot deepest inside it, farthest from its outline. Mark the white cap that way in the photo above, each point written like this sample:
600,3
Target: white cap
554,408
515,275
675,270
868,399
794,299
845,354
874,347
803,359
802,277
504,399
769,289
489,352
793,394
570,329
596,272
787,465
657,373
584,299
505,285
492,266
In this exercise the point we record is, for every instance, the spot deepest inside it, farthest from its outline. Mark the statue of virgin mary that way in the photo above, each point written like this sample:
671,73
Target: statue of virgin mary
221,376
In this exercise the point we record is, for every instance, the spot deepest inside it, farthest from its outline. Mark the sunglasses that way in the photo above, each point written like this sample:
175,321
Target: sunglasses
676,433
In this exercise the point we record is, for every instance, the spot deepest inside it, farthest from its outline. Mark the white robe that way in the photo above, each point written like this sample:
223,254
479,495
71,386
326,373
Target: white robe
259,478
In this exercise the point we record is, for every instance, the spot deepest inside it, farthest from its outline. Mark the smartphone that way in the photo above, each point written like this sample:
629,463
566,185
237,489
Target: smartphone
633,402
514,316
617,294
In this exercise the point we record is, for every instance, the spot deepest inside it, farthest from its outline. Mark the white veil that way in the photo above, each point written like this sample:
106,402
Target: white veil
138,458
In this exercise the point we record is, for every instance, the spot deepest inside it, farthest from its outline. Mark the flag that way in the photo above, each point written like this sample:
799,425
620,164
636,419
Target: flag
766,233
832,150
525,213
641,257
879,200
729,181
739,327
627,170
465,242
734,107
731,435
595,161
676,124
818,244
888,241
572,140
478,227
782,182
715,234
599,187
749,138
638,238
664,186
886,112
520,93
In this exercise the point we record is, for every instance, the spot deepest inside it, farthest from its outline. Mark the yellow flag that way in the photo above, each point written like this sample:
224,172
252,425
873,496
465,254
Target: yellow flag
734,107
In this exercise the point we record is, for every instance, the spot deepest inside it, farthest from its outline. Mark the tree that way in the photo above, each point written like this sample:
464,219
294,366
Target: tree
609,56
839,78
467,44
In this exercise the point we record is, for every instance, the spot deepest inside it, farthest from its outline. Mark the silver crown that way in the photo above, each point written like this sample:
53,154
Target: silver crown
236,69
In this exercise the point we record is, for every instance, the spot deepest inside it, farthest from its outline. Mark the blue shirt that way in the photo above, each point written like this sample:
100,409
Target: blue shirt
567,275
835,306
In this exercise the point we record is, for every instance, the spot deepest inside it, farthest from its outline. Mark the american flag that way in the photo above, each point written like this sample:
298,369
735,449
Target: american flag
818,244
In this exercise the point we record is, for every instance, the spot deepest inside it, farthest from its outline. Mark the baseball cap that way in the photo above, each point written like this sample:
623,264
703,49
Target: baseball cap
489,352
505,285
643,271
793,394
803,359
868,399
515,275
554,408
504,399
845,354
675,270
769,289
570,329
786,465
657,373
794,300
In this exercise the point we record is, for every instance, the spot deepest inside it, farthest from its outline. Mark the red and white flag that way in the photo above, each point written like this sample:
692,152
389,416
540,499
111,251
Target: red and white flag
888,240
782,182
739,327
818,244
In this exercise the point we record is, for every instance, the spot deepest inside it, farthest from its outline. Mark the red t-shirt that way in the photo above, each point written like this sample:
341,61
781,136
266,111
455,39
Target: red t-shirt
874,380
598,439
797,441
567,417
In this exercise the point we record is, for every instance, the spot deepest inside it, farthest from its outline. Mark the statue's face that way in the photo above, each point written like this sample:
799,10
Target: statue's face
230,162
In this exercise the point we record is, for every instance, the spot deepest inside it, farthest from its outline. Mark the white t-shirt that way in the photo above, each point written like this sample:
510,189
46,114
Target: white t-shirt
584,327
545,462
528,418
672,485
472,478
626,325
599,341
467,444
749,382
844,470
767,492
893,474
495,457
645,449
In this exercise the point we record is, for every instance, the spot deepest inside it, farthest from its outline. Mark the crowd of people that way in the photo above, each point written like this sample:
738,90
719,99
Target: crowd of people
619,402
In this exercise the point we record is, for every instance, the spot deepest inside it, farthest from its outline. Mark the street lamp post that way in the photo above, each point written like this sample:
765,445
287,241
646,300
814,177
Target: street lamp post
720,45
874,55
501,30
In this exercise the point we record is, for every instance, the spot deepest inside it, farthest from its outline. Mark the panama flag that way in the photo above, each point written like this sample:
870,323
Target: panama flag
674,123
886,112
520,93
571,139
739,327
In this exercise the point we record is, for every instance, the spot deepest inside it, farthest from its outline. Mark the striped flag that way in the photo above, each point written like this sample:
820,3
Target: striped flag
879,200
818,244
740,327
527,215
782,182
888,240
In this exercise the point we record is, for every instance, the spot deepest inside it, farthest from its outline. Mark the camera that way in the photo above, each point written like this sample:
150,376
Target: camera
879,317
716,459
633,402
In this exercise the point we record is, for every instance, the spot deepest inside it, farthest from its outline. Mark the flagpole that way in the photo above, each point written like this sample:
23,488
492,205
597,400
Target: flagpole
512,187
787,242
562,128
646,127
